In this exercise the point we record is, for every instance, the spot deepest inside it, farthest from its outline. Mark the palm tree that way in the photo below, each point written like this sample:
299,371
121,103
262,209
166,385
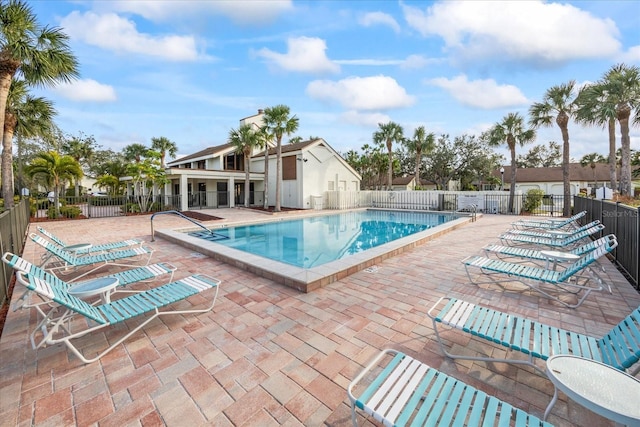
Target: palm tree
559,103
388,133
135,152
245,139
619,93
40,55
595,108
591,160
81,149
421,144
277,122
164,146
25,115
55,170
512,131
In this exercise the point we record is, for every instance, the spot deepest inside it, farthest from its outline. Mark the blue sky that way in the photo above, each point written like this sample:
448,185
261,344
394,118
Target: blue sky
189,71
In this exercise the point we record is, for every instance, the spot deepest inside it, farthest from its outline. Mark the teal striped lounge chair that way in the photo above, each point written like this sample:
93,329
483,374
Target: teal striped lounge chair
524,254
566,242
64,262
409,392
550,224
620,347
553,234
76,318
79,249
571,279
141,274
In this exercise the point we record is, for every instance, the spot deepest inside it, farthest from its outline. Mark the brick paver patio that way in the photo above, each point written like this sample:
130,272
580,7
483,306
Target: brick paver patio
268,355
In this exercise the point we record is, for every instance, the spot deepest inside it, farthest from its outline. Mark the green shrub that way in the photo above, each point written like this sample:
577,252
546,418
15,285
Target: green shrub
70,211
532,200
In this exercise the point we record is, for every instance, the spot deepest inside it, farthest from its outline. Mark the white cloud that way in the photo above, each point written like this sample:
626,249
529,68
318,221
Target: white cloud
240,12
632,55
362,93
379,18
304,54
114,33
86,90
364,119
486,94
528,31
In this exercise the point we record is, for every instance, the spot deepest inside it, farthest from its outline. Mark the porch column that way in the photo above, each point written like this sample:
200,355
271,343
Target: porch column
184,196
232,192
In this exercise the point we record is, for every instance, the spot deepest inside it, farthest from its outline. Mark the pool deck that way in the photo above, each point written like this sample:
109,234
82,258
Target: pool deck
270,355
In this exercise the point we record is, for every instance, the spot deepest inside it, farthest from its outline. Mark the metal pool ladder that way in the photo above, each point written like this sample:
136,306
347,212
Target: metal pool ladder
180,214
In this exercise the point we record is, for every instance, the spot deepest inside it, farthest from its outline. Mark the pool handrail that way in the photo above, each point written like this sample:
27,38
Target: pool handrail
153,239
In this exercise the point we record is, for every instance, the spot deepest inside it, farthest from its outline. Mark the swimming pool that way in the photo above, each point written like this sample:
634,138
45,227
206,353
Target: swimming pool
314,241
322,229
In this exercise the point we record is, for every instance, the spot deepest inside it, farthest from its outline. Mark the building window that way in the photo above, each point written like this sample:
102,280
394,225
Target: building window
202,164
234,162
187,165
330,186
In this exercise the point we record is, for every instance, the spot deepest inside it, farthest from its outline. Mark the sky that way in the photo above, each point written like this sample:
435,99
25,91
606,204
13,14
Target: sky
190,70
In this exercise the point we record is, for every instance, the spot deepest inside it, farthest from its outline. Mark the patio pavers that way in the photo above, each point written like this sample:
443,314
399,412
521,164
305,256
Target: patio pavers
269,355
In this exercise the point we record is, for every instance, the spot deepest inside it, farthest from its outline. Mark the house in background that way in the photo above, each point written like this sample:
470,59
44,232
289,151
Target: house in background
408,183
215,177
550,179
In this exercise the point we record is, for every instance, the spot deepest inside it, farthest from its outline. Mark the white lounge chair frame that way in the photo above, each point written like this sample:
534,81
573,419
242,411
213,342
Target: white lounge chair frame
76,313
102,247
406,391
550,224
65,262
570,279
565,242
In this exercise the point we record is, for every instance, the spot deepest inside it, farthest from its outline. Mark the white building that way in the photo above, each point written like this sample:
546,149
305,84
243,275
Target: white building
215,176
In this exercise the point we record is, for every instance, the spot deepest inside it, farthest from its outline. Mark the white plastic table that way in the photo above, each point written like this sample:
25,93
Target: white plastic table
558,256
102,287
600,388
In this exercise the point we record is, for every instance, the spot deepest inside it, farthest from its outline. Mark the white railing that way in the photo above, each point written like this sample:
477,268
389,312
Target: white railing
483,201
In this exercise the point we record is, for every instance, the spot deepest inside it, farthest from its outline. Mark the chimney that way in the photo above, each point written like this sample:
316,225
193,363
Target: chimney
260,111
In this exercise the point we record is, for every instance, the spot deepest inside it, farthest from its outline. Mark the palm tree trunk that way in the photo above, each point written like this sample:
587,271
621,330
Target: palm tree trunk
247,180
566,211
612,154
512,187
625,168
7,161
417,178
266,176
390,171
278,174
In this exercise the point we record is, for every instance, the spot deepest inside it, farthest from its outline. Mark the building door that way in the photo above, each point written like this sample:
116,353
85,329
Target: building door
202,193
223,196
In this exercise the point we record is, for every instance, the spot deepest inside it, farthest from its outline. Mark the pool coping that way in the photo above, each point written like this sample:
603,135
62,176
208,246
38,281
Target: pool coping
305,279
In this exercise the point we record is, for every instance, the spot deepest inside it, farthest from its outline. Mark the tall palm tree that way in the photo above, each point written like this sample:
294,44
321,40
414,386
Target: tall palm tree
421,144
278,122
596,108
164,146
40,55
245,139
135,152
591,160
511,130
25,115
558,104
55,170
81,149
388,133
619,93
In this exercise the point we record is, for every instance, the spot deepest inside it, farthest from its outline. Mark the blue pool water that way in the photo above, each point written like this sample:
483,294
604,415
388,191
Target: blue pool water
313,241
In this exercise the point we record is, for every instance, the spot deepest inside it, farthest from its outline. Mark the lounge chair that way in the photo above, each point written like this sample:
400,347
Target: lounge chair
64,262
619,348
550,224
566,242
73,318
126,277
409,392
569,279
85,248
521,254
553,234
